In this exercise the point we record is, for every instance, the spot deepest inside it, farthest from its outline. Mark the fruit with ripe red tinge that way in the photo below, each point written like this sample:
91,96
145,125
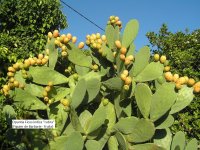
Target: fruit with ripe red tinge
81,45
55,33
123,50
191,82
127,61
168,76
74,39
128,80
122,57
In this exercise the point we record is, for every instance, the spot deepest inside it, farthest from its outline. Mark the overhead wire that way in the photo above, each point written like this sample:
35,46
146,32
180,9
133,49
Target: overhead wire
92,22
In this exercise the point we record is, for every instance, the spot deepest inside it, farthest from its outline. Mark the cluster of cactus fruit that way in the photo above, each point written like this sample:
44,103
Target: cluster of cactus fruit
179,81
105,97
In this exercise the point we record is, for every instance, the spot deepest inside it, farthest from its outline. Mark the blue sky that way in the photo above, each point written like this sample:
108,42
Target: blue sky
151,14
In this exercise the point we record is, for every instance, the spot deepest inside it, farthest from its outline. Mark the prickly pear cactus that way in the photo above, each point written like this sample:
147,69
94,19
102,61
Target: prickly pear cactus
103,97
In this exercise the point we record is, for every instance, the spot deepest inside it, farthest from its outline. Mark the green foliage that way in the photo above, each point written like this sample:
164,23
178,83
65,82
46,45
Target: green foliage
182,49
98,108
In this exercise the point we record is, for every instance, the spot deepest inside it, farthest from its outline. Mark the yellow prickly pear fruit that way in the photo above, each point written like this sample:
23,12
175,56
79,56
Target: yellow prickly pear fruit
175,77
181,80
167,68
123,77
118,44
125,72
126,87
196,89
16,83
163,59
50,35
103,37
81,45
178,86
11,69
156,57
95,67
130,57
168,76
65,102
122,57
69,36
191,82
123,50
64,54
55,33
186,79
127,61
74,39
128,80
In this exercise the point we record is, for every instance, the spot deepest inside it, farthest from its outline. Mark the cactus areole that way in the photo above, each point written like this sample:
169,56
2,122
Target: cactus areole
104,96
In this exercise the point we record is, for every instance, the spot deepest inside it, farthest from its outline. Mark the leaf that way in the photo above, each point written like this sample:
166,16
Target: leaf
143,131
184,98
151,72
112,143
92,144
162,100
166,123
28,101
114,83
147,146
81,70
58,93
72,142
192,145
53,53
108,52
112,34
130,32
178,140
43,75
141,60
93,84
122,141
126,125
75,121
78,93
34,89
163,138
78,57
143,97
97,120
84,119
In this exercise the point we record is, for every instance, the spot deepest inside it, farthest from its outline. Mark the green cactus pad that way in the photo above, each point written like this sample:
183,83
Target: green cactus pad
72,142
34,89
178,141
143,97
92,144
108,52
28,101
81,70
78,57
112,34
79,93
53,53
192,145
85,118
184,98
126,125
130,32
165,96
58,93
122,141
75,121
163,138
166,123
147,146
43,75
141,60
112,143
97,120
151,72
9,112
143,131
114,83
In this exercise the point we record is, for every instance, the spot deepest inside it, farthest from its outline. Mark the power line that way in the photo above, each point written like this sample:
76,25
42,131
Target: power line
82,15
